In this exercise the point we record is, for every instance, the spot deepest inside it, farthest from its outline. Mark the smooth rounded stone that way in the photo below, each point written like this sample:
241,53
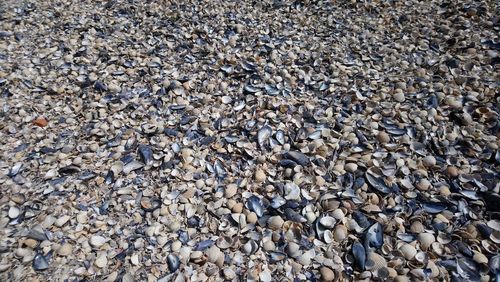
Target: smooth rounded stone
226,99
266,275
23,252
306,258
260,175
213,254
340,233
452,171
275,222
80,271
383,137
269,245
444,191
423,184
60,222
230,190
134,259
429,161
399,96
101,261
176,245
31,243
65,250
14,212
351,167
327,274
293,249
238,209
252,218
48,221
401,278
82,218
229,273
97,241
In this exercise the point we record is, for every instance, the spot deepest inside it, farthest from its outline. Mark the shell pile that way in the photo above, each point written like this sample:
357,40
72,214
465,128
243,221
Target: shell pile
249,140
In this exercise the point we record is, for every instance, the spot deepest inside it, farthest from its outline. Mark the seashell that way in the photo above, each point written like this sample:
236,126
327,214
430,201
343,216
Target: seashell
250,247
467,270
480,258
426,240
71,169
374,236
340,233
374,261
173,262
263,136
277,202
495,237
280,136
224,242
489,247
276,256
294,216
40,262
494,224
203,245
16,169
417,227
254,204
293,250
359,254
327,221
97,241
37,233
150,204
377,183
291,191
433,207
297,157
131,166
421,257
18,198
328,236
408,251
240,219
494,265
443,238
275,222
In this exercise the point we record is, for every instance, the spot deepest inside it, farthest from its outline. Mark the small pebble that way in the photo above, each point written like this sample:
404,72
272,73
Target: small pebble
327,274
260,175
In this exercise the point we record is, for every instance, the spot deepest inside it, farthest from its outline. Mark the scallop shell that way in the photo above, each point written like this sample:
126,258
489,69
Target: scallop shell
375,262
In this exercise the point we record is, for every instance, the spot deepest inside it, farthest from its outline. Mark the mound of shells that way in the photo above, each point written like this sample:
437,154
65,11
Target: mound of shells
249,141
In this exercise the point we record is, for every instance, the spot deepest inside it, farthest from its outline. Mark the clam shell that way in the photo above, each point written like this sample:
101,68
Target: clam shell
408,251
426,240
